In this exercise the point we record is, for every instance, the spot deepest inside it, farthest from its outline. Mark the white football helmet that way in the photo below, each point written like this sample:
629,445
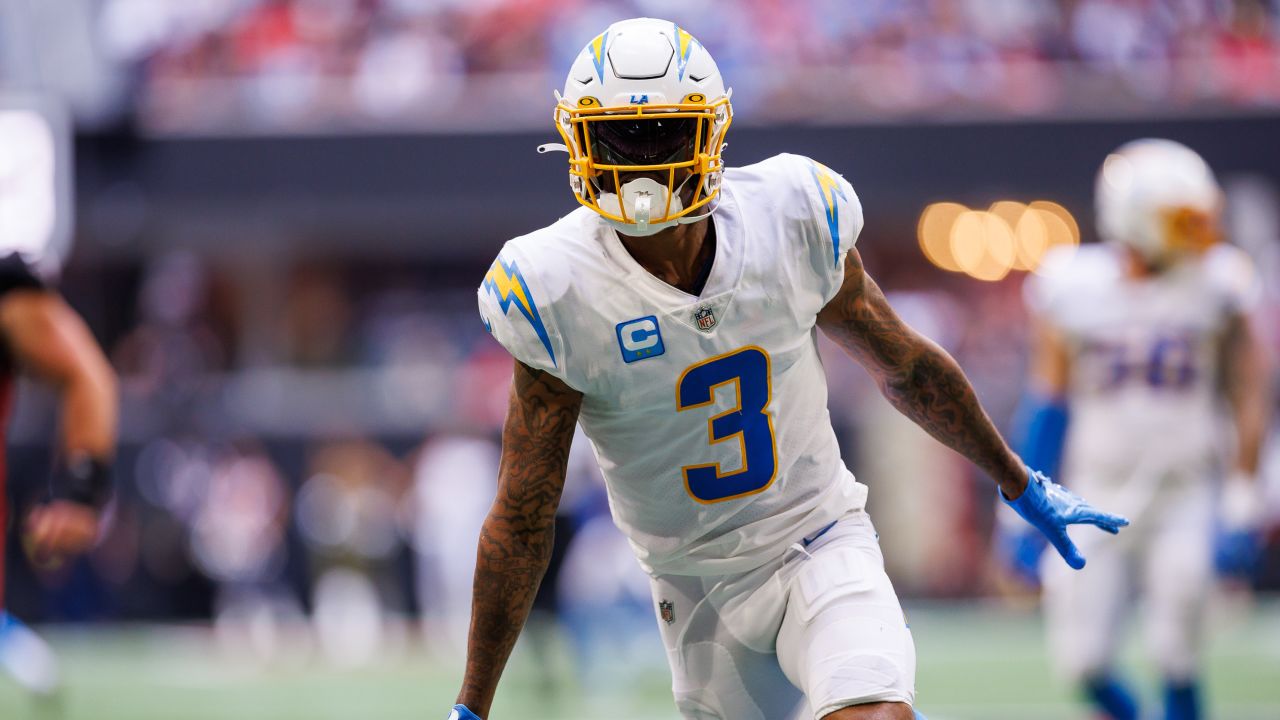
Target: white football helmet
644,97
1159,198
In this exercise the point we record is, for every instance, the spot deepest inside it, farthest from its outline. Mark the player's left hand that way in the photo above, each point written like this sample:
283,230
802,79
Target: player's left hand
1235,554
1239,541
59,529
1051,508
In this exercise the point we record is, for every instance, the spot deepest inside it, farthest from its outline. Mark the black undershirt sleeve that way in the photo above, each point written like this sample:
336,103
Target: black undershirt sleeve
16,274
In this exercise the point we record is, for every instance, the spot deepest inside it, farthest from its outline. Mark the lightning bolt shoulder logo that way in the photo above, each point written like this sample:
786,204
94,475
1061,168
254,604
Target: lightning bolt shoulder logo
508,287
830,189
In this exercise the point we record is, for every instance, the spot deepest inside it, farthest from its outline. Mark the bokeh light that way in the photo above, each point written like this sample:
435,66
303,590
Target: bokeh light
934,233
988,244
983,244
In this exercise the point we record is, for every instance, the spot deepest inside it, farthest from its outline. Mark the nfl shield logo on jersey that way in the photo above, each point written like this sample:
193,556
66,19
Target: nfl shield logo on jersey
706,319
667,611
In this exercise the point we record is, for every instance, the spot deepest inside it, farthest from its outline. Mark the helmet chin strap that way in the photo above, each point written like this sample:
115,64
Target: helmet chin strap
633,230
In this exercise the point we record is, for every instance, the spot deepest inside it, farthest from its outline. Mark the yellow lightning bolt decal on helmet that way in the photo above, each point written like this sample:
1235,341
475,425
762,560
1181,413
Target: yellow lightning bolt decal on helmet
597,50
508,287
684,45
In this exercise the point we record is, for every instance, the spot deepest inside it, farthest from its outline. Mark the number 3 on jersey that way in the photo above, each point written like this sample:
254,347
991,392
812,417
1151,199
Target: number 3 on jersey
749,421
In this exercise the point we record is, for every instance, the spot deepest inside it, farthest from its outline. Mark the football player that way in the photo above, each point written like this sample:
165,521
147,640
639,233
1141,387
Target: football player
42,335
675,317
1139,343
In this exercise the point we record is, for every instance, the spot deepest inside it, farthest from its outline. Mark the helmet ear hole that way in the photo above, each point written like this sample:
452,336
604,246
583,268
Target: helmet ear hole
711,182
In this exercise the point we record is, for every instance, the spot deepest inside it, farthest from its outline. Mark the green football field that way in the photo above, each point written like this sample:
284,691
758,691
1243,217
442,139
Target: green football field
976,662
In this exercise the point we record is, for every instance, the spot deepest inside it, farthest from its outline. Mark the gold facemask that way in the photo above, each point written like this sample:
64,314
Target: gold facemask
672,143
1189,231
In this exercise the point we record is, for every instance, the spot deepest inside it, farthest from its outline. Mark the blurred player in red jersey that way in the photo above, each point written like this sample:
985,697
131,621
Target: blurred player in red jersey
43,336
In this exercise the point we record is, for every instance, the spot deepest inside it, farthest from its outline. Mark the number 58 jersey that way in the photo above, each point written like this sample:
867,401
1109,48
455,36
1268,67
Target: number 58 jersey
708,414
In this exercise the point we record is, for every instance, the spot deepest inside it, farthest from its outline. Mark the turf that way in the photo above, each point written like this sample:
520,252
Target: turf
976,662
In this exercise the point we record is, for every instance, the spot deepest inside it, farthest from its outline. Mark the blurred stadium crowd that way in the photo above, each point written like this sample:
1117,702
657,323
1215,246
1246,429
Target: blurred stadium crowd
263,65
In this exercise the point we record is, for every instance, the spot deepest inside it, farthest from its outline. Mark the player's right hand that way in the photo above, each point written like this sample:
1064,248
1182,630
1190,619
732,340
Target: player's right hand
1051,508
60,529
460,712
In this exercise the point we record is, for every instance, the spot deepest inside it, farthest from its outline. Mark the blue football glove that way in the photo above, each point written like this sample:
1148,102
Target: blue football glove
1236,553
460,712
1020,552
1239,541
1051,508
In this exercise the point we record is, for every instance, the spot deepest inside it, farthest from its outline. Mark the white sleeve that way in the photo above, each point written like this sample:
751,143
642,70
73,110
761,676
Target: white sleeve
836,216
515,309
1235,277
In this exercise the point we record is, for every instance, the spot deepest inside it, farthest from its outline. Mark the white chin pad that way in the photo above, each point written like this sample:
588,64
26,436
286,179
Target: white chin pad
642,197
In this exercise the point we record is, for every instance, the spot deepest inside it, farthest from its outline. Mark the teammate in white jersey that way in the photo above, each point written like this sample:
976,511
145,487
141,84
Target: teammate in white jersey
1139,342
675,317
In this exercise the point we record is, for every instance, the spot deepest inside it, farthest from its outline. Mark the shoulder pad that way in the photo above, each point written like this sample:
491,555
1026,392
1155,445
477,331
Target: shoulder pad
1233,274
825,208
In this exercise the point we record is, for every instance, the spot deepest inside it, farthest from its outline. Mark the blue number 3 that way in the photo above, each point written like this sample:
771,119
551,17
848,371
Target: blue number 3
749,421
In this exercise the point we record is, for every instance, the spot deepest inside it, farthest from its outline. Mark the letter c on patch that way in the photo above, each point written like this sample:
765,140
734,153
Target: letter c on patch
640,339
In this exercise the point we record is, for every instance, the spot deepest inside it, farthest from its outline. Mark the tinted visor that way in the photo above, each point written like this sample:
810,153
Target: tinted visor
643,141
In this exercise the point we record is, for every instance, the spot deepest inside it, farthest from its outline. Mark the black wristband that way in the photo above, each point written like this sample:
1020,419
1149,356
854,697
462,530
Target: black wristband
88,481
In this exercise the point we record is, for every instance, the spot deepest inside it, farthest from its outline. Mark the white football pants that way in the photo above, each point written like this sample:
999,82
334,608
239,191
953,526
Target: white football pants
818,629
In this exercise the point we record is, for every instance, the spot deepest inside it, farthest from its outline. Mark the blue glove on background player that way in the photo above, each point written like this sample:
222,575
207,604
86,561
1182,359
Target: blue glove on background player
1051,508
1236,553
460,712
1041,421
1239,541
1020,550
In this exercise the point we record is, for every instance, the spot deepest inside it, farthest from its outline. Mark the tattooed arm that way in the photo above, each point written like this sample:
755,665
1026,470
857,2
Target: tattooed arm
919,378
515,540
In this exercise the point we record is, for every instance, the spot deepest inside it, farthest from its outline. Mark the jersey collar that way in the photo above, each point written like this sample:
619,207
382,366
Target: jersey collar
726,268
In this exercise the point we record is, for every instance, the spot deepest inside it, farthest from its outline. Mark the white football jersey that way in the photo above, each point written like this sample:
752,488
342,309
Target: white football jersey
708,414
1145,384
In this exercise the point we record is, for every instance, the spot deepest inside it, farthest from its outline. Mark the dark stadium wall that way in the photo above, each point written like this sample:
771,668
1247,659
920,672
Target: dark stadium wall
456,198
